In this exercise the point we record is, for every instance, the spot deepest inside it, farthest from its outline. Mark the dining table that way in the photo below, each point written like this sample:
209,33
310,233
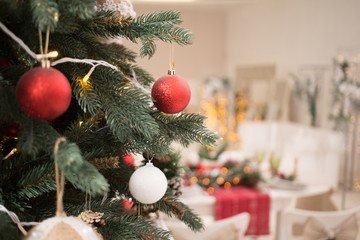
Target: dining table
259,202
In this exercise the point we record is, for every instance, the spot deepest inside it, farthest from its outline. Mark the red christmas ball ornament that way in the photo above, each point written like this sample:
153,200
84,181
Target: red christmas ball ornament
128,159
127,204
171,94
43,93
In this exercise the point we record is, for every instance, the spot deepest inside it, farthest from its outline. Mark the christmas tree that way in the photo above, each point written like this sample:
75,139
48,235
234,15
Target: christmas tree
106,116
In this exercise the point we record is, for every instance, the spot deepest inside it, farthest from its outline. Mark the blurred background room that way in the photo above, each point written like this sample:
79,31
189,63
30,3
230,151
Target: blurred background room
278,81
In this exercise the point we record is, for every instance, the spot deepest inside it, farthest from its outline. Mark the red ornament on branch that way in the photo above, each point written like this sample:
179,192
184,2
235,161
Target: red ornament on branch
171,93
43,93
128,159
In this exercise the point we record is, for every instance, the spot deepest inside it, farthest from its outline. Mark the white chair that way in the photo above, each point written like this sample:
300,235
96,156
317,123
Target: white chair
314,225
232,228
318,151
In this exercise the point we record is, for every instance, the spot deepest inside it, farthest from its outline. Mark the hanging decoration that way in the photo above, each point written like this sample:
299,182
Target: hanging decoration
122,8
171,93
62,227
44,56
94,219
128,159
43,93
148,184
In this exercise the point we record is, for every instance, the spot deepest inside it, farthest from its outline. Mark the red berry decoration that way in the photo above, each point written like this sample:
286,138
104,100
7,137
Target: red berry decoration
171,94
128,159
43,93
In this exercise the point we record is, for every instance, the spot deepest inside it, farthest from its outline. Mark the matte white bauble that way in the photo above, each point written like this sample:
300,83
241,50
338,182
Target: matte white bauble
63,228
148,184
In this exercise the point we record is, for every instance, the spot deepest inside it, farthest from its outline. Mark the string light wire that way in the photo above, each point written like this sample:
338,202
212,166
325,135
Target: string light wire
45,55
16,220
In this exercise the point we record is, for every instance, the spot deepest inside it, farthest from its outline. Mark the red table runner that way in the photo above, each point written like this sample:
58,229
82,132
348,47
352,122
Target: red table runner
230,202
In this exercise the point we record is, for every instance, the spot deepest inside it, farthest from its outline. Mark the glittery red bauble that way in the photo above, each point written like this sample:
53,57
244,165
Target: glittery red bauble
43,93
128,159
127,204
171,94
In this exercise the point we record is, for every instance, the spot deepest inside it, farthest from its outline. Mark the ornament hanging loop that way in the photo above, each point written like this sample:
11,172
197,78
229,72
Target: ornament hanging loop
171,70
60,182
150,160
45,63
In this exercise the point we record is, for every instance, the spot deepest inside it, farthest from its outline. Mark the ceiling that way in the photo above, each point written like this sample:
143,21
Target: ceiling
194,2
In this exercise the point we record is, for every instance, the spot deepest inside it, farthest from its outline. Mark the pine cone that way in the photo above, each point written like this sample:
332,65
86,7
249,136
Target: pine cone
92,218
175,184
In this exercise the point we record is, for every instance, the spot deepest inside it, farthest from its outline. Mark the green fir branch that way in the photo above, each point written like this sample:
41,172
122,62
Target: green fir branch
171,17
110,207
79,8
147,28
132,227
74,48
35,136
87,98
143,77
45,14
174,208
105,163
148,47
126,114
118,179
186,128
79,172
107,24
37,181
164,33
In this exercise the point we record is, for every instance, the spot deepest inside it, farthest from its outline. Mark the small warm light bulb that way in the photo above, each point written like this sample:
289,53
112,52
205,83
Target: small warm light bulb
236,180
193,180
224,170
247,169
206,181
14,150
53,54
227,185
210,190
85,78
220,180
81,122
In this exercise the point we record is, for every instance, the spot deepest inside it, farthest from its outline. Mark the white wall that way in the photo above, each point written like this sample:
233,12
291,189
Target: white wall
290,33
287,33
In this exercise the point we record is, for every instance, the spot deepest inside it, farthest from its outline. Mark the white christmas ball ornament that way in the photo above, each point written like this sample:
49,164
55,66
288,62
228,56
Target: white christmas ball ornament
63,228
148,184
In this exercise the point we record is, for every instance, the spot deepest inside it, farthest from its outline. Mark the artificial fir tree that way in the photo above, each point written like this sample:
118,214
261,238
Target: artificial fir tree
111,115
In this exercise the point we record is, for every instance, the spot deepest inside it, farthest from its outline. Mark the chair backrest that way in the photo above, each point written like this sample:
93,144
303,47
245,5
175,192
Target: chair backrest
233,228
331,223
318,151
